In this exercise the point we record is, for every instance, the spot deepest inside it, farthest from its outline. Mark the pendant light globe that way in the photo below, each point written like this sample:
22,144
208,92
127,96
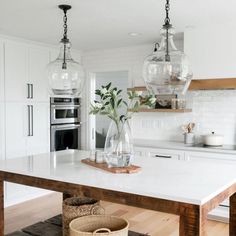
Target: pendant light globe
167,70
66,76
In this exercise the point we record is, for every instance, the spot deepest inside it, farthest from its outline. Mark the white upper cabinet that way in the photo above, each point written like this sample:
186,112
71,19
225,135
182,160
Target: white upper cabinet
38,60
25,72
211,51
16,71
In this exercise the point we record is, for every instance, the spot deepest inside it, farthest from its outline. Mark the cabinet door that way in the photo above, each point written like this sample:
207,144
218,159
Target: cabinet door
208,59
162,153
38,60
16,71
196,156
39,141
139,151
1,72
2,131
16,129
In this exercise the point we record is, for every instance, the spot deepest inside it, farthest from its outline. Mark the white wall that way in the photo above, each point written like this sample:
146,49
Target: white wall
119,79
212,110
121,59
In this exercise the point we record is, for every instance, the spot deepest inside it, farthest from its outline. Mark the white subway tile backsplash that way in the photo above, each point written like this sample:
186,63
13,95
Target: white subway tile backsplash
212,111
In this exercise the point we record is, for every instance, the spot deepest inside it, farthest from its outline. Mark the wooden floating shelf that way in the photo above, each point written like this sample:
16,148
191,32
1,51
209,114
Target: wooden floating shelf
204,84
137,89
213,84
163,110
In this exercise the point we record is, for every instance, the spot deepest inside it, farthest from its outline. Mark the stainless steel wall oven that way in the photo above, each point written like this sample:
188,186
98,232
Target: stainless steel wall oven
65,123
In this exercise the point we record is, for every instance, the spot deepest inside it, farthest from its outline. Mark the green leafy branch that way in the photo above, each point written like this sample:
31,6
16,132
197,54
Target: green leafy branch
110,103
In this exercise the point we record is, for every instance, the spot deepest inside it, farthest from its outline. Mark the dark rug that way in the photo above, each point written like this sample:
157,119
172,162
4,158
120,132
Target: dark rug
50,227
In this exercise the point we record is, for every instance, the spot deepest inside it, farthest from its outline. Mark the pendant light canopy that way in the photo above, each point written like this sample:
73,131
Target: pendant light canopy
66,76
167,69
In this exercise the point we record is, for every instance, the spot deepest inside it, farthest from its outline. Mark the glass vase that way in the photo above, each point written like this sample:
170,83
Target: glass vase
119,145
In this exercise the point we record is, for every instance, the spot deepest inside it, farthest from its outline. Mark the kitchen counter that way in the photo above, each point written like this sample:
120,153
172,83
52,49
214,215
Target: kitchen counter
175,145
172,180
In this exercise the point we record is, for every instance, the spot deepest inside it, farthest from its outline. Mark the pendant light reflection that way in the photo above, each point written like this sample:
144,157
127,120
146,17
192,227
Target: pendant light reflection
167,70
66,76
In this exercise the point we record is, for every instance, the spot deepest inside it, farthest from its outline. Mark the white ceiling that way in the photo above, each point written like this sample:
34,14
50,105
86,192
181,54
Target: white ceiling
97,24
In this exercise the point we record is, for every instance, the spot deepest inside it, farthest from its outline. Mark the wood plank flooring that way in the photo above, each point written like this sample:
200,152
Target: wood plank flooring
143,221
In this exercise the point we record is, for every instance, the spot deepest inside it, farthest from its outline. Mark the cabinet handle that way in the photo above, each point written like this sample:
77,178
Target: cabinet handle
32,91
28,90
92,133
32,120
29,120
163,156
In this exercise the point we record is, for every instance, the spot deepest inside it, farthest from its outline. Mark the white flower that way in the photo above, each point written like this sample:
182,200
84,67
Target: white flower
152,100
98,105
104,91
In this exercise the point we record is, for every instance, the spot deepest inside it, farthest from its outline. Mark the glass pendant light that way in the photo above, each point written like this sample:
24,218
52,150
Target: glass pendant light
66,76
167,70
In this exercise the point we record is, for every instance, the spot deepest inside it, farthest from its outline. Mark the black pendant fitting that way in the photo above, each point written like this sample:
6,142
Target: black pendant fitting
64,7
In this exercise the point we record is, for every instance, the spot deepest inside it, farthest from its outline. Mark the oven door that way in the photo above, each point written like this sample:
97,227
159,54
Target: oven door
65,137
65,114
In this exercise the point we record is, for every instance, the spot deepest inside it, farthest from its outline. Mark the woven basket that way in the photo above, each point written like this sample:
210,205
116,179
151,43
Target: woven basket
75,207
99,225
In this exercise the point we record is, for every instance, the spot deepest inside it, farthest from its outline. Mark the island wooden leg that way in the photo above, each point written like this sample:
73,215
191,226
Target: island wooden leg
232,215
1,208
192,221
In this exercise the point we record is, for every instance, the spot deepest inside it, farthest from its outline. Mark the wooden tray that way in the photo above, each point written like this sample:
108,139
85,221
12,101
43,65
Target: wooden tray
117,170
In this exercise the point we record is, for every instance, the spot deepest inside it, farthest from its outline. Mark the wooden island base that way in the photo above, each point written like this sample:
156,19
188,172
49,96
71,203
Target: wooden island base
192,217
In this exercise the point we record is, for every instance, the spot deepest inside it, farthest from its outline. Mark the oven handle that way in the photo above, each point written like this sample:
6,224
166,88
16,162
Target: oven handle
65,106
64,127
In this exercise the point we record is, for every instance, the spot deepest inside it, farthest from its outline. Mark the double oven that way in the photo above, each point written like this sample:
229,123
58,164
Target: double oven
65,123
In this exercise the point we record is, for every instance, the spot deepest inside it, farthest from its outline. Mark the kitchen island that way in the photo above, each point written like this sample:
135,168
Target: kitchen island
187,189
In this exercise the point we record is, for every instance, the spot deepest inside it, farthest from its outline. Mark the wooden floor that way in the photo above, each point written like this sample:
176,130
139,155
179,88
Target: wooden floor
143,221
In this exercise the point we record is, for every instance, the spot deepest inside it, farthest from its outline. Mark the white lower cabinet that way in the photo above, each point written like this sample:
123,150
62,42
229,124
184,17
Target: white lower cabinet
195,156
39,141
16,129
26,134
160,153
2,131
27,129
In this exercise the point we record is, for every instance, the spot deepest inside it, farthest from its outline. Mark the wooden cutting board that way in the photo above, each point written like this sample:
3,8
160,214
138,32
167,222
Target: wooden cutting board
116,170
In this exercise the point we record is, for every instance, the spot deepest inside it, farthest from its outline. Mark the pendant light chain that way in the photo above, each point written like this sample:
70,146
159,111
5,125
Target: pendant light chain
167,8
65,24
167,25
64,40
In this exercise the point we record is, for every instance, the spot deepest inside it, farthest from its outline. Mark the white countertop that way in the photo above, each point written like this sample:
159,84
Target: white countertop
184,181
175,145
